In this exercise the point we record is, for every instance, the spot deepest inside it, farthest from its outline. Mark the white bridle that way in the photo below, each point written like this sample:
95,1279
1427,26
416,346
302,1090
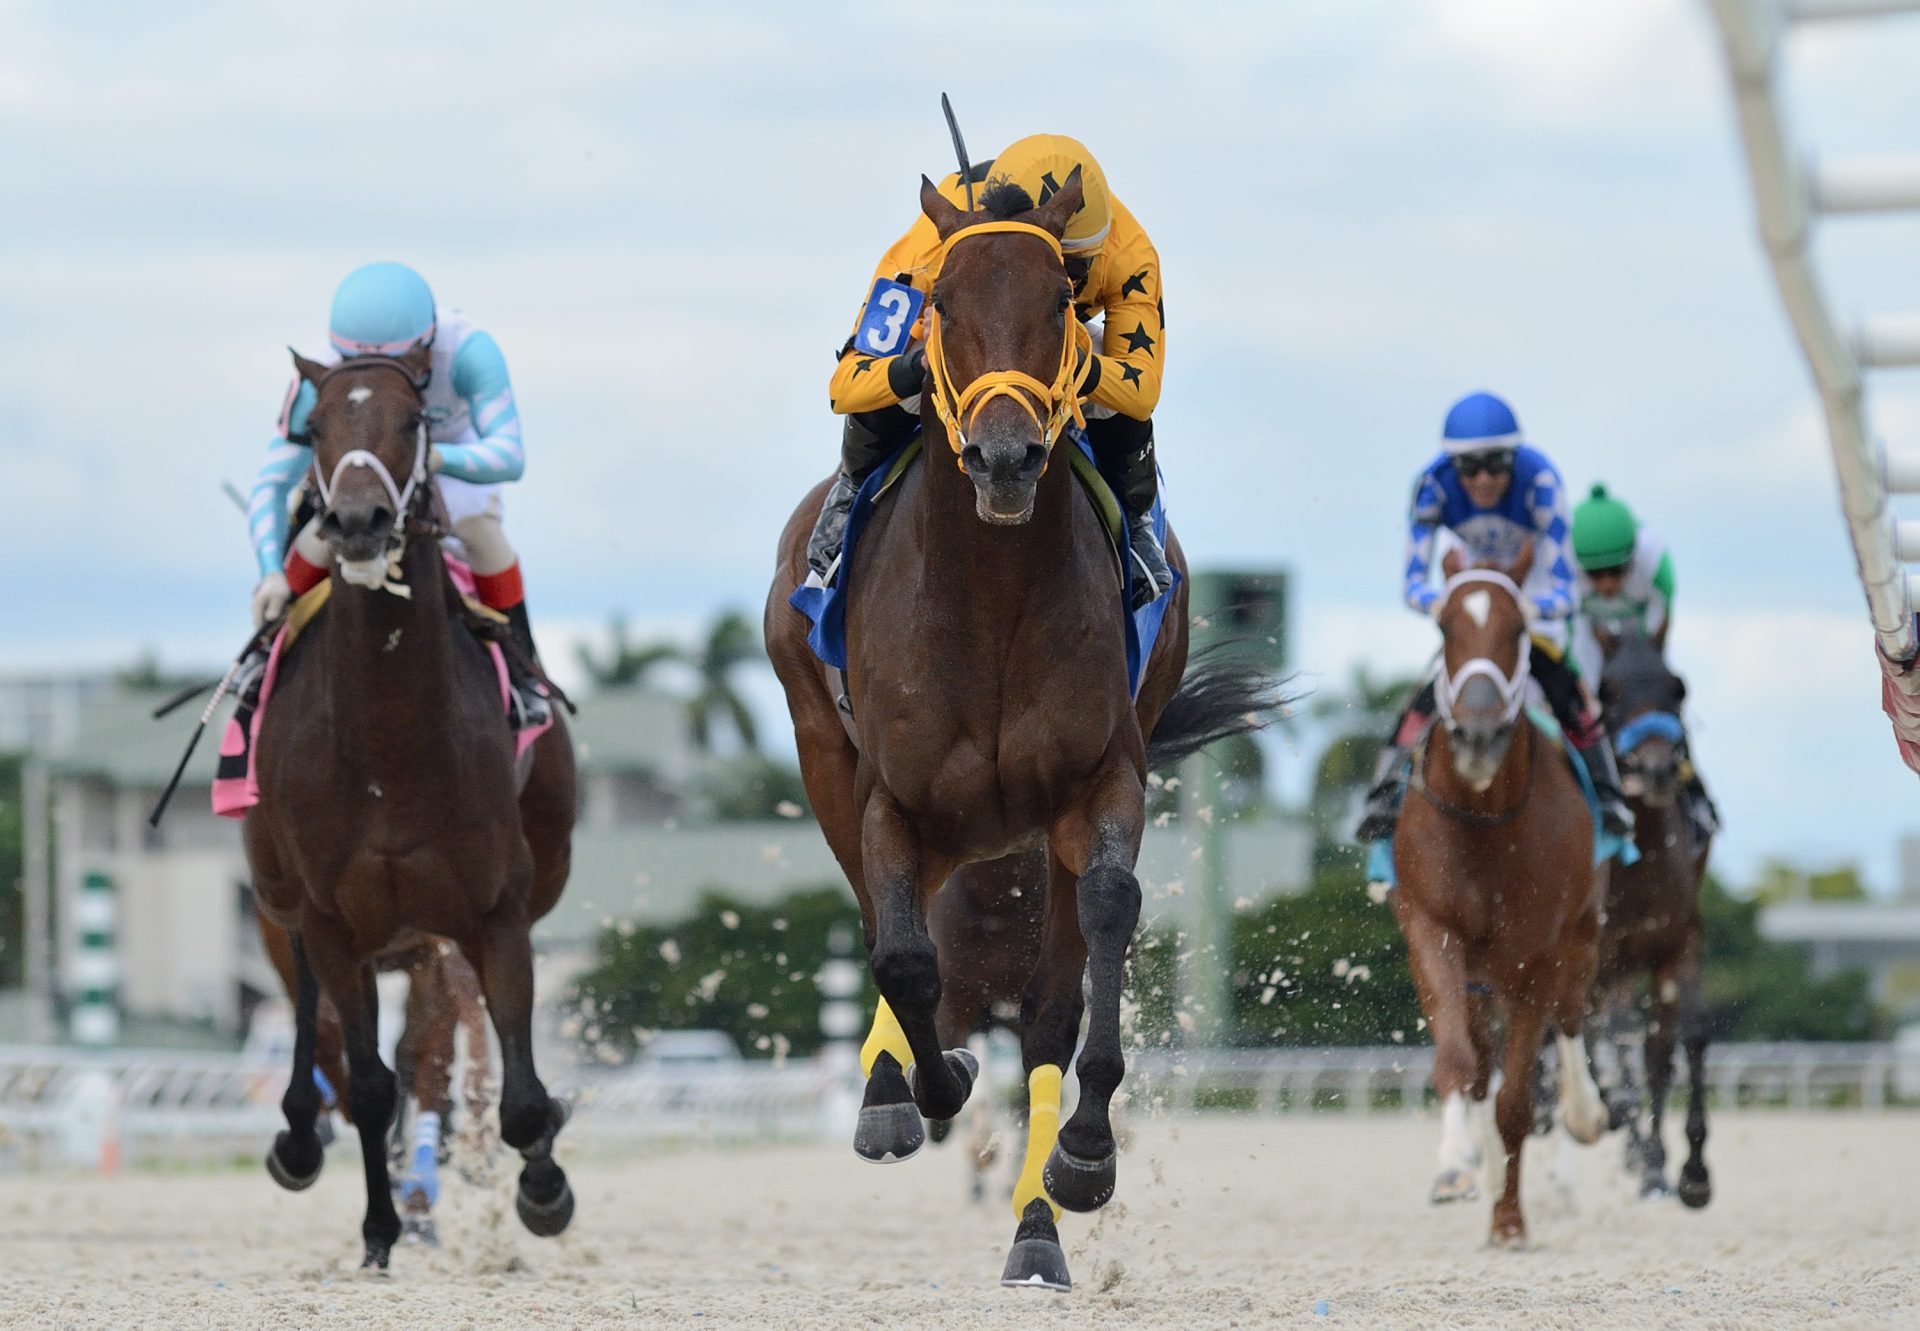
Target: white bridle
1513,688
382,573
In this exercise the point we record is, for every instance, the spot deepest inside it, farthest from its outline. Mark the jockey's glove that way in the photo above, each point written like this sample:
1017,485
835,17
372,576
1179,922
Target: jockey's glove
435,459
907,372
270,598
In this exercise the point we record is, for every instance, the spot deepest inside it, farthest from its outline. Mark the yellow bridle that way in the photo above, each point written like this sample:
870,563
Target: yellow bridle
1060,399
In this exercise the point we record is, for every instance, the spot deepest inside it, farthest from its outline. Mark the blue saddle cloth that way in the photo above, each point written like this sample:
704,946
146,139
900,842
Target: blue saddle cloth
1606,846
827,606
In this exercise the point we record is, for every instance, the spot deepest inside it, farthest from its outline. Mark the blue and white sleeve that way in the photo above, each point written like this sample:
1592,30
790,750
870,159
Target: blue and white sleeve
288,457
480,377
1423,524
1548,503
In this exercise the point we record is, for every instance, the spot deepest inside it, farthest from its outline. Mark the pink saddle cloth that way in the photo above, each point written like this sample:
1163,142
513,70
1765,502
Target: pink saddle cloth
236,783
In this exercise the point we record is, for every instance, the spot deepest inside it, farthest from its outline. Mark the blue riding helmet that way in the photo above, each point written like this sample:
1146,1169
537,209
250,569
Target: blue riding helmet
383,309
1479,423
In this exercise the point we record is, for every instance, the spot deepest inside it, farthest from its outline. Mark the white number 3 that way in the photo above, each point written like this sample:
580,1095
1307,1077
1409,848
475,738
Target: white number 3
885,336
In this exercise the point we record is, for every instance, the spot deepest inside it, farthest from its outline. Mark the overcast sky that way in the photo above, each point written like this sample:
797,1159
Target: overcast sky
667,214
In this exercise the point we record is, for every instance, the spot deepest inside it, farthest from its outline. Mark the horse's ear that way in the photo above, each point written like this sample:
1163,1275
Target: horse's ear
418,363
1454,562
310,370
1523,565
1055,213
946,218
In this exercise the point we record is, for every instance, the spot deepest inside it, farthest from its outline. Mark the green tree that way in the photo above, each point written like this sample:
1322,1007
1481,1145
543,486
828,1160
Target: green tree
744,969
627,663
1762,990
753,786
1361,714
731,643
13,927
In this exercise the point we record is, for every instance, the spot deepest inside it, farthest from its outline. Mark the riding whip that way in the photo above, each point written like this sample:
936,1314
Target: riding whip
959,148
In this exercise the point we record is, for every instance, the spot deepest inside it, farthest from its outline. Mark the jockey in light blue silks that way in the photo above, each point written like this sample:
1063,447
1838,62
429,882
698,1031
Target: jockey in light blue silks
473,426
1495,494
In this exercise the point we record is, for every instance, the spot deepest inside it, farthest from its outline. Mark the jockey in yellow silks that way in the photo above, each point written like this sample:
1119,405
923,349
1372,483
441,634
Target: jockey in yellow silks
1115,272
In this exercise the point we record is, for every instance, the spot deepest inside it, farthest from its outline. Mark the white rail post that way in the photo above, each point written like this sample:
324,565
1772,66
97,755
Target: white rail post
1787,199
96,966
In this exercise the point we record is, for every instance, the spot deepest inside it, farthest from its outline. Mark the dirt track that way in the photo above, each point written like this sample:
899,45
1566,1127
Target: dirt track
1218,1223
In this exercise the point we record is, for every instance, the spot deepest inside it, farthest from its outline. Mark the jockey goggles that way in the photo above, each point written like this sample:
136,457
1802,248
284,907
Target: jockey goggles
1495,462
1059,401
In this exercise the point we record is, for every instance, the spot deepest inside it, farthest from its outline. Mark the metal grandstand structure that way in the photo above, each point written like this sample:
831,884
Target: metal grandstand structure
1792,192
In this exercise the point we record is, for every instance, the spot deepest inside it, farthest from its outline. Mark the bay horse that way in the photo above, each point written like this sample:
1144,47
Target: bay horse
990,710
390,806
443,1003
1497,892
1653,926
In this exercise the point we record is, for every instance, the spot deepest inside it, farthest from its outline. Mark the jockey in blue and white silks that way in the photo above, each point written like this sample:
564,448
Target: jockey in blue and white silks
1493,495
473,427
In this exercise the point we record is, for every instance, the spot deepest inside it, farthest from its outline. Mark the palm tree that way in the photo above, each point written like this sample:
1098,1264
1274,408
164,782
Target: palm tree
627,664
1361,715
731,643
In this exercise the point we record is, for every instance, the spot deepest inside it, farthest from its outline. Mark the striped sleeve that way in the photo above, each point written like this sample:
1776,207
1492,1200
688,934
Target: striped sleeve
1423,524
280,470
480,378
1547,504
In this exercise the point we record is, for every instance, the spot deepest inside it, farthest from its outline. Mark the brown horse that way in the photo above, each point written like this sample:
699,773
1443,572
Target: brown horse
443,1001
390,805
1497,892
1653,925
990,710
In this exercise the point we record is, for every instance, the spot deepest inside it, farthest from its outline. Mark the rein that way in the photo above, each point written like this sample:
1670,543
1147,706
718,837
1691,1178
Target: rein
1469,816
1060,400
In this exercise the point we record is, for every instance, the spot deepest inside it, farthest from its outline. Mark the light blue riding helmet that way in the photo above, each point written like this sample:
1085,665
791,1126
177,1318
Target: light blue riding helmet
1480,423
383,309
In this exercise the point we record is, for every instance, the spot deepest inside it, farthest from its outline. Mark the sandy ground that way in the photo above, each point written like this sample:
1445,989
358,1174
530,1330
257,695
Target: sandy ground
1219,1222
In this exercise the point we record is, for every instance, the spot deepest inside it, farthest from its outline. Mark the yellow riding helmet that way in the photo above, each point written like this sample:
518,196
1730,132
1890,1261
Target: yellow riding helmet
1040,164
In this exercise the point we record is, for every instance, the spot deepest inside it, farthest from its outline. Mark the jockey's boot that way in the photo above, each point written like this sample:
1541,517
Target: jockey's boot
867,439
1615,816
1384,796
1139,487
531,706
246,679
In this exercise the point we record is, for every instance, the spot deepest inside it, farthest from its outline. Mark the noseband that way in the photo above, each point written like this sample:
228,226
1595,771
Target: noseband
1060,400
1652,725
402,495
1512,688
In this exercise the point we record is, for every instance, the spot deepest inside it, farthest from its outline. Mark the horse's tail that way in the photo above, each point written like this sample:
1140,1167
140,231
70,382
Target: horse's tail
1218,697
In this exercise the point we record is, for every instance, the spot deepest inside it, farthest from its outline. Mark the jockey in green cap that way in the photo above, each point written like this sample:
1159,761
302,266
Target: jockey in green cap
1626,582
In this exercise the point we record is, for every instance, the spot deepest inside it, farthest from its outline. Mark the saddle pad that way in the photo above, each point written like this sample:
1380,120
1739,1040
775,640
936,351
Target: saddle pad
236,783
826,606
1606,846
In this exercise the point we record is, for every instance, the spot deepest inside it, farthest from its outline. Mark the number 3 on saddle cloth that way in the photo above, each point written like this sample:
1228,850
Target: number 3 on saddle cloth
1606,846
827,606
236,786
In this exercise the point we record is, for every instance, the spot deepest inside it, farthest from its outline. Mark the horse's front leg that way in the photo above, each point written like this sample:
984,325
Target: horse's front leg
909,1074
1098,844
348,981
298,1154
529,1118
1696,1186
1663,1011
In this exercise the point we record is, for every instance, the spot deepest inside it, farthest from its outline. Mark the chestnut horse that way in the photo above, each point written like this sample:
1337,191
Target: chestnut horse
390,805
991,714
1653,925
1497,891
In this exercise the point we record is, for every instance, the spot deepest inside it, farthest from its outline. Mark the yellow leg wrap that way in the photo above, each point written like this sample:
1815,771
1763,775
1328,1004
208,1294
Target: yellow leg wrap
886,1037
1043,1126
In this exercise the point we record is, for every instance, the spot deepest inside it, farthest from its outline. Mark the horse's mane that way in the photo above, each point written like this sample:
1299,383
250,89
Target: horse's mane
1003,200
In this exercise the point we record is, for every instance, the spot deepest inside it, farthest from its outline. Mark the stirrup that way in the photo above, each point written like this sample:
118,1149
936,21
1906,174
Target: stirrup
531,707
246,680
1153,577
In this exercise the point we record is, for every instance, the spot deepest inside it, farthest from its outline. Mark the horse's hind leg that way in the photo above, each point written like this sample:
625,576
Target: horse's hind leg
1459,1021
1100,844
1050,1010
1696,1187
430,1034
1663,1011
906,970
349,982
529,1118
297,1154
1581,1109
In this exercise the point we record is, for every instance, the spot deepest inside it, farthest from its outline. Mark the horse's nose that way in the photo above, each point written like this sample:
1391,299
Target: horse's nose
357,526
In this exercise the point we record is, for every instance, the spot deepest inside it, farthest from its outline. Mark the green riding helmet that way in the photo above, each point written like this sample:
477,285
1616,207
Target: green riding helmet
1604,530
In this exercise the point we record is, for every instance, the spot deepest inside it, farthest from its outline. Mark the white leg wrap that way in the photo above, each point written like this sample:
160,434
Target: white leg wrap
426,1129
1457,1147
1581,1108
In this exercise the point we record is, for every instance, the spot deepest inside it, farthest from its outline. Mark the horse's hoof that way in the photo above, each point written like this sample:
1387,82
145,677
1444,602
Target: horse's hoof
545,1219
1080,1185
294,1165
420,1229
1653,1188
1036,1260
1512,1237
939,1130
1454,1185
1695,1190
376,1258
888,1134
964,1067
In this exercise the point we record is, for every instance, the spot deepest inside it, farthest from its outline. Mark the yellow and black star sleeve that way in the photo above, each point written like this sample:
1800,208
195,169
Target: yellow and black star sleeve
1133,348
